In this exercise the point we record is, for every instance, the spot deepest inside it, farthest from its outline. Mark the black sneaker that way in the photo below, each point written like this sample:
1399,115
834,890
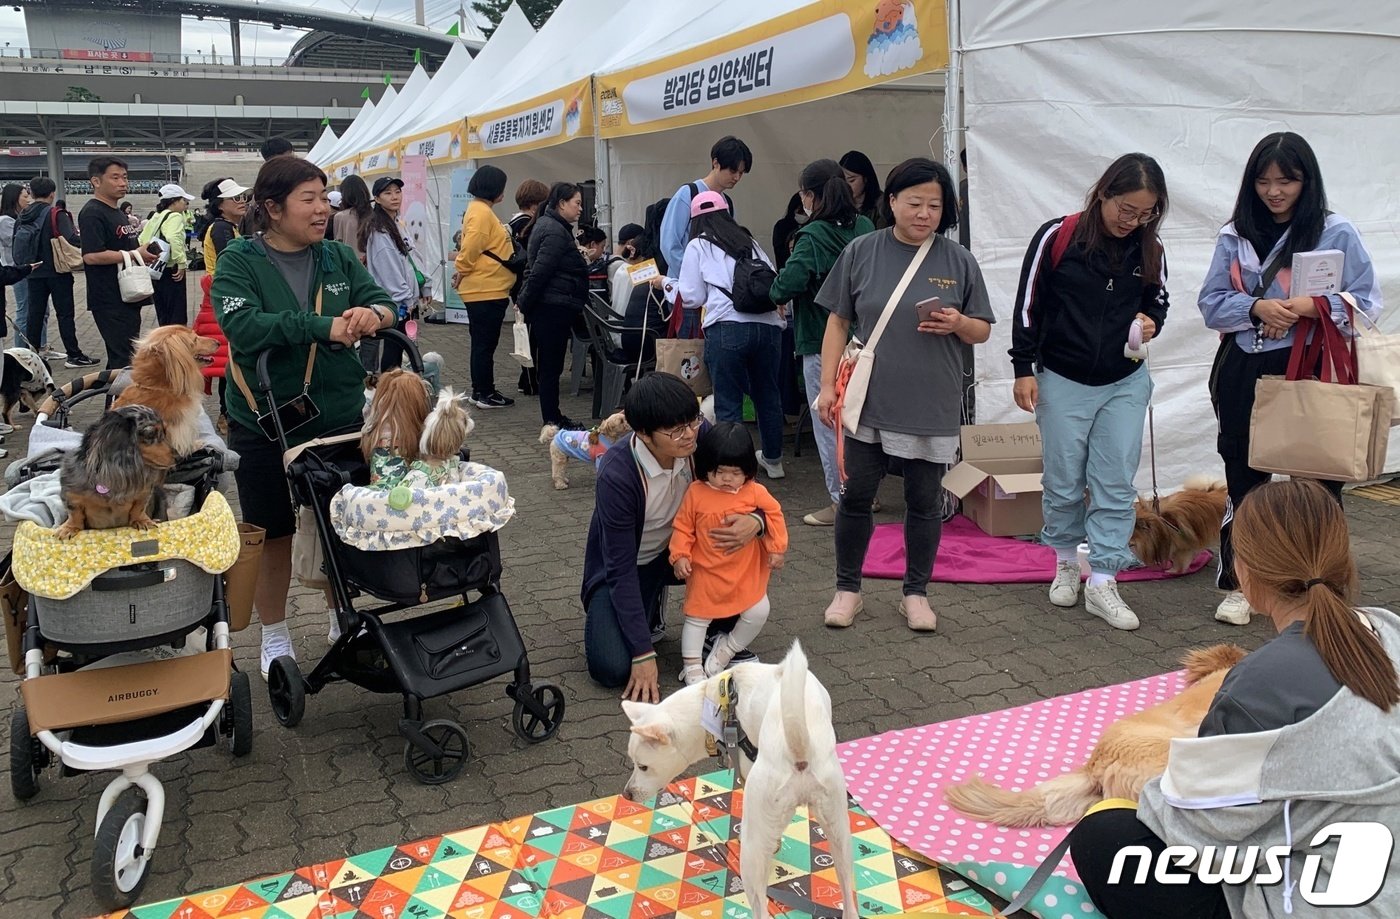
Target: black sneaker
565,423
493,399
80,360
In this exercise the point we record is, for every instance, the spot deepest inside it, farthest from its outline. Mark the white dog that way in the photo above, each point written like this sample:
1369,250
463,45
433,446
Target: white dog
786,712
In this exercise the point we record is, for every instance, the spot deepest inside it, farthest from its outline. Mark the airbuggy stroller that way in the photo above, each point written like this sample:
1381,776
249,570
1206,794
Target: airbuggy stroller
94,695
421,657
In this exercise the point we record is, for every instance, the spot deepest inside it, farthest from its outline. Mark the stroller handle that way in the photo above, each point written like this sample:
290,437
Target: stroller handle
410,347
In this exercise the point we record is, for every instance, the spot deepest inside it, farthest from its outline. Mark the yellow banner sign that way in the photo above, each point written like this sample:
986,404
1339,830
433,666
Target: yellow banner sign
541,122
440,144
822,50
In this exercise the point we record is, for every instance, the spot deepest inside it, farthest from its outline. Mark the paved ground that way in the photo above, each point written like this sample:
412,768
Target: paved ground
336,785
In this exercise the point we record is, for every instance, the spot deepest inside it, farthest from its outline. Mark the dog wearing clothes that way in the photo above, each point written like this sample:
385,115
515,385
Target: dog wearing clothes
786,713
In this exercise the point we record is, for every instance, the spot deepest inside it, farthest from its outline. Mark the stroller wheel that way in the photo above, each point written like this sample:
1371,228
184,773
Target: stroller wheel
286,691
445,761
27,757
238,714
119,862
539,719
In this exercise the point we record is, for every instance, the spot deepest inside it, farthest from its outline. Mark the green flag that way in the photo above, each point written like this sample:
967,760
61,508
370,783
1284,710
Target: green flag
365,94
325,122
417,55
454,31
387,79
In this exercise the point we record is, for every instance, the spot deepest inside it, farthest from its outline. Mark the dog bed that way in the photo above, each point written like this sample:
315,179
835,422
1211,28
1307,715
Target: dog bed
605,858
966,555
899,776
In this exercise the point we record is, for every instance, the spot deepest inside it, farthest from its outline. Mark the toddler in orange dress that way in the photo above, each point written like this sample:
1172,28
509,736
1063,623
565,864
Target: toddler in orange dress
717,585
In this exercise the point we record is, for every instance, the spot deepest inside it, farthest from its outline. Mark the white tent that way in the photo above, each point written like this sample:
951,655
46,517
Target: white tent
327,158
386,126
348,149
324,143
1055,89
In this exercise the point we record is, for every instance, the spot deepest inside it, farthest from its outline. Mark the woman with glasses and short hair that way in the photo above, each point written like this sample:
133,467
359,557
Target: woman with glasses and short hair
1086,279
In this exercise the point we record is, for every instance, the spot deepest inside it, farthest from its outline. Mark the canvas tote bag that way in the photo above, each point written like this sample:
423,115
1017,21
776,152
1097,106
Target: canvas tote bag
1377,356
1332,428
684,357
133,279
67,258
520,349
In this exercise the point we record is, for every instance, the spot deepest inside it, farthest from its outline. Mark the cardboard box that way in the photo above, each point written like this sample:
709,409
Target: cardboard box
999,478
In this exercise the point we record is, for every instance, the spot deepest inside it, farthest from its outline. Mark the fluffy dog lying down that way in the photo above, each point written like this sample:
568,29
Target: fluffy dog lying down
114,476
786,712
1189,521
1131,751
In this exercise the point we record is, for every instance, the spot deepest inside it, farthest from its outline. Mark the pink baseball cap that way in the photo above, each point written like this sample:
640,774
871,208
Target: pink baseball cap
707,202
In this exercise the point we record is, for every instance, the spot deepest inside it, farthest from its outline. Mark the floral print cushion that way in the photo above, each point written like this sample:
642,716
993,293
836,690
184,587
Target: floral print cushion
474,502
57,569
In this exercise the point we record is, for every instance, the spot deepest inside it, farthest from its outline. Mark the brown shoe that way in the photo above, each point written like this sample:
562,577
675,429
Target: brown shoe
918,614
823,518
842,611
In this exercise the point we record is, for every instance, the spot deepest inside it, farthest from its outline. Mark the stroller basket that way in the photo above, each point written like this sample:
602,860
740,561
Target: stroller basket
147,600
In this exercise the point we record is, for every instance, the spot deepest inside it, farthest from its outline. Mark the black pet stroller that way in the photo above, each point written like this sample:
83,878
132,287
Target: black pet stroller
103,688
421,657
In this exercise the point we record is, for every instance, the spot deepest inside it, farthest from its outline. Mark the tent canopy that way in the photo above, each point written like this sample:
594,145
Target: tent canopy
1055,90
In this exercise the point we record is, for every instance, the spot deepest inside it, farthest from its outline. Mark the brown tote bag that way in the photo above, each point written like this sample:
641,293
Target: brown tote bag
1332,427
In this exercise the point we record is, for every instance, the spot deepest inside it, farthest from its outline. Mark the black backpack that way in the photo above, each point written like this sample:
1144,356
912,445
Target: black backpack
29,239
518,263
752,281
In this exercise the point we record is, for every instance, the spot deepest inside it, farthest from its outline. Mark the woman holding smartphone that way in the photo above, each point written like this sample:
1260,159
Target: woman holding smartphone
1085,280
913,406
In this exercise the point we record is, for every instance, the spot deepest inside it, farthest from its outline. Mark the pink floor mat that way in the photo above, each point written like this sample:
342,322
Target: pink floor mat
898,777
966,555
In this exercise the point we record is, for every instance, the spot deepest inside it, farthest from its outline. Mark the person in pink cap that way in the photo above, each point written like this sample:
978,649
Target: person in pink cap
743,331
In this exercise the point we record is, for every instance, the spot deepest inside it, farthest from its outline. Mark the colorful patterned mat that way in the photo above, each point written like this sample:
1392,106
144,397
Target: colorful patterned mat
604,859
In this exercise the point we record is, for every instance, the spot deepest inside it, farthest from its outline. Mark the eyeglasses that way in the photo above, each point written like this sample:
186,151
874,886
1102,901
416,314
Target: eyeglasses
685,430
1136,217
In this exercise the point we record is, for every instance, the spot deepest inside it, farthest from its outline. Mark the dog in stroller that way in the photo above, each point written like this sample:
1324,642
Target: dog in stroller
403,565
103,688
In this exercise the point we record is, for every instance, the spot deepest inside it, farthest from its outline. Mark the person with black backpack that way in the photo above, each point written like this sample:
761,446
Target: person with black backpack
38,225
725,271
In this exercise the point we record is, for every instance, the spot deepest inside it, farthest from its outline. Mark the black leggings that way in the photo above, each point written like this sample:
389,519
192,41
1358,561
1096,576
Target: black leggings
1095,841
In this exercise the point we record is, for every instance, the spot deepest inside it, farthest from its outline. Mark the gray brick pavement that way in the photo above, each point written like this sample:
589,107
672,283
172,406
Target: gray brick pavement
336,784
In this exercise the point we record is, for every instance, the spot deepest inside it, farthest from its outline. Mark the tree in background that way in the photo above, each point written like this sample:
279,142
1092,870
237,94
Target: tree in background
537,11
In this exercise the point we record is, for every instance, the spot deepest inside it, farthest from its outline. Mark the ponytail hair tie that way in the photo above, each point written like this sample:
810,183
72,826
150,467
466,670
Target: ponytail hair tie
1309,585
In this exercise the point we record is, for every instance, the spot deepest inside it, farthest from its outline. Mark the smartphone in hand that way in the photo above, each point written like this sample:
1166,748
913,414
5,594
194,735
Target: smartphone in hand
927,308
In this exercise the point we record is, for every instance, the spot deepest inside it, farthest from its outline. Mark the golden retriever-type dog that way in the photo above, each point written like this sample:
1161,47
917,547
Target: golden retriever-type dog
113,479
1189,521
1131,751
165,376
567,445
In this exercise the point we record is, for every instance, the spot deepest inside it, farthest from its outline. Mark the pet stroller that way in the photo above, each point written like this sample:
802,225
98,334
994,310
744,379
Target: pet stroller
103,688
421,657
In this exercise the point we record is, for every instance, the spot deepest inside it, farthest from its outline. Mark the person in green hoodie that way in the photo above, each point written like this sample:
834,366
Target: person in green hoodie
833,222
289,290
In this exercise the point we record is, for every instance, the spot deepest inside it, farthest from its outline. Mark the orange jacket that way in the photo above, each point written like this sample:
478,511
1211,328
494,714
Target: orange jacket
723,585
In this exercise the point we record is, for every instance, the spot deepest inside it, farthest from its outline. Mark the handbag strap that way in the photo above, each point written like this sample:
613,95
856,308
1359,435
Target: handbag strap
914,265
242,383
1267,278
131,260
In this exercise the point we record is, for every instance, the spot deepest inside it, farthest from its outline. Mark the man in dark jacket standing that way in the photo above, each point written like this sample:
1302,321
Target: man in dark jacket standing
43,218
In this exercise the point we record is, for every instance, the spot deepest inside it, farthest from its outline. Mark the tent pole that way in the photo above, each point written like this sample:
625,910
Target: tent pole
952,94
602,167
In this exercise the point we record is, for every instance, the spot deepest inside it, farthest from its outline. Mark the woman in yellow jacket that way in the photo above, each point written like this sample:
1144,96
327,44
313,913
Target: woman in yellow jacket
483,281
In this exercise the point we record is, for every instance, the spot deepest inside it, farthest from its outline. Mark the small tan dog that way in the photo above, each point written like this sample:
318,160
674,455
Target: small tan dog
584,446
1189,521
165,376
1130,752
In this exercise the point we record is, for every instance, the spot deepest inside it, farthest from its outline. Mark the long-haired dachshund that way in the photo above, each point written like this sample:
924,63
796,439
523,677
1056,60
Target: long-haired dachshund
165,375
110,480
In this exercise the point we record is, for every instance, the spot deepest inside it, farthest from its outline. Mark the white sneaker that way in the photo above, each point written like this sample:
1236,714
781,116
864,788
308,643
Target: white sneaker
333,634
1234,609
1103,601
53,354
692,674
1064,590
274,645
774,470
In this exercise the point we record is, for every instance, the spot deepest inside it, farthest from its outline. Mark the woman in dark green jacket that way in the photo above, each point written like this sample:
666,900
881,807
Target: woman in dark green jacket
287,289
833,223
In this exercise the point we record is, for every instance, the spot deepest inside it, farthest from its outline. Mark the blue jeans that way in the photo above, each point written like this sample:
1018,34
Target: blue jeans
743,357
1092,439
609,658
825,436
22,319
